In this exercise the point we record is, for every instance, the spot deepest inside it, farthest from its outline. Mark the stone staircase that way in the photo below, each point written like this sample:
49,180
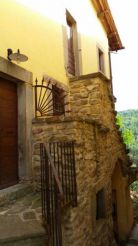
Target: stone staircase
20,217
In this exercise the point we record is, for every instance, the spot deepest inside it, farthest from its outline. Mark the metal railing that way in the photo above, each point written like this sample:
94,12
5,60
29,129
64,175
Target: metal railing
58,185
49,99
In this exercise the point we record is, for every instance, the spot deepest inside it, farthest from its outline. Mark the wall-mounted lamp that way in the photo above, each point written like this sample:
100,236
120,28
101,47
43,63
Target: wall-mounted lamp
18,57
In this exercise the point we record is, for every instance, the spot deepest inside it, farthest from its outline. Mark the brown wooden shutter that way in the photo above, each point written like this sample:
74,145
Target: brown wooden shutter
71,58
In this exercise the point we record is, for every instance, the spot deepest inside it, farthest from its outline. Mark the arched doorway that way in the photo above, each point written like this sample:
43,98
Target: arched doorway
121,203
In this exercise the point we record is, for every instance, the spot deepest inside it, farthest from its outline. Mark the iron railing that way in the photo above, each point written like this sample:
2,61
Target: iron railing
58,185
49,99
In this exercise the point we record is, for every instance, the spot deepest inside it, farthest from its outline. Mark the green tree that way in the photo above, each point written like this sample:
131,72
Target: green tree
130,121
119,121
127,134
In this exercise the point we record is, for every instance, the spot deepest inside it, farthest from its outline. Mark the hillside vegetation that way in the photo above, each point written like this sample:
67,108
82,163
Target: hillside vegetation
130,122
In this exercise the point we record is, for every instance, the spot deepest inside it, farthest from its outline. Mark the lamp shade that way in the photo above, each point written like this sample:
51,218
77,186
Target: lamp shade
18,57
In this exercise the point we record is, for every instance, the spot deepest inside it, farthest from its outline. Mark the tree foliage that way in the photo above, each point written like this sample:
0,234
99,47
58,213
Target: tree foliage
134,186
128,122
127,134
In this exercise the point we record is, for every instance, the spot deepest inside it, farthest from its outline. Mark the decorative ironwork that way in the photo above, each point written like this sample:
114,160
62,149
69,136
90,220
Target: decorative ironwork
49,99
58,185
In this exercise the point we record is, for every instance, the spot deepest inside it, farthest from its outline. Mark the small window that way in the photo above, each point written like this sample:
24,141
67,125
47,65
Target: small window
114,204
71,29
101,60
100,205
58,100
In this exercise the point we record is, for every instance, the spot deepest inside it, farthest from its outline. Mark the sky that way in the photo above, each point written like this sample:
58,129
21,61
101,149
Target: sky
125,62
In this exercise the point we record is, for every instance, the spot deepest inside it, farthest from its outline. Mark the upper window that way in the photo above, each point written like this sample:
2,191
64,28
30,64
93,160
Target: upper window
70,36
101,60
72,46
100,205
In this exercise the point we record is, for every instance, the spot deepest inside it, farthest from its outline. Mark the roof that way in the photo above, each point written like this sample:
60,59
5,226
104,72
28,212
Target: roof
105,16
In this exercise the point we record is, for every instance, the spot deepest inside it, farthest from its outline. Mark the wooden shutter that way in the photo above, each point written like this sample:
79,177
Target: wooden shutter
71,59
70,34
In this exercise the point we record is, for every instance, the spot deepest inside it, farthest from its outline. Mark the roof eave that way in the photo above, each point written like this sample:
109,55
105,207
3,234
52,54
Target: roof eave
106,18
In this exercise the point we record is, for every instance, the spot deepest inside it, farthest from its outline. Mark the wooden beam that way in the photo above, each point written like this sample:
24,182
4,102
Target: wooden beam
111,34
102,13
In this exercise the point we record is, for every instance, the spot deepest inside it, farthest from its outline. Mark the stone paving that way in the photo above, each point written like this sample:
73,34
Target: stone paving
26,208
20,220
133,240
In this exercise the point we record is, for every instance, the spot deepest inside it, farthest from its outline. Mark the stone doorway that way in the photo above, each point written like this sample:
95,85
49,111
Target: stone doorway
122,221
20,80
116,200
8,134
114,214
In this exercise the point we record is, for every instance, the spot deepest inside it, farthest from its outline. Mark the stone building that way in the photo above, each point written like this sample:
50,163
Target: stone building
71,103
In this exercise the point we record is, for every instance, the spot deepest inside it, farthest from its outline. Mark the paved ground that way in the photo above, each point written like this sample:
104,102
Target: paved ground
26,208
21,218
134,196
133,240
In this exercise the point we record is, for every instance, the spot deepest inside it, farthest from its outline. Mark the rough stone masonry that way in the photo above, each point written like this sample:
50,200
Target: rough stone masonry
98,146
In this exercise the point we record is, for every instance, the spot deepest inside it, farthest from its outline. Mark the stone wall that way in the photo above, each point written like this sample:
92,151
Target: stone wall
91,98
79,223
98,147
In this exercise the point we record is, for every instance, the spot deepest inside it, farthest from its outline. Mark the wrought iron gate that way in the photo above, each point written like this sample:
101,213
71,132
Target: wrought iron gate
58,185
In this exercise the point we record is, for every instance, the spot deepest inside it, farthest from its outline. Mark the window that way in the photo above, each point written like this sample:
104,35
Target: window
72,46
100,205
70,36
101,60
58,100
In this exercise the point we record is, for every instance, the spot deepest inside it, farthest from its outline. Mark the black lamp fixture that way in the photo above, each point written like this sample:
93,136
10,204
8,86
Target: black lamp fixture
17,56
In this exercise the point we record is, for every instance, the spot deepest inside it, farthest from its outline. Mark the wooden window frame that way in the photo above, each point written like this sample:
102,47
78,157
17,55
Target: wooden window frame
101,60
70,21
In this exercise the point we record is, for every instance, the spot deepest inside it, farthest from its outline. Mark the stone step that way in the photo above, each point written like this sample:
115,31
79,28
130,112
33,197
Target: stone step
20,217
12,193
39,241
16,232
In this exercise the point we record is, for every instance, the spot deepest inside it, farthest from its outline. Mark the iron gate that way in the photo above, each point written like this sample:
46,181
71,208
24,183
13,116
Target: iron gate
58,185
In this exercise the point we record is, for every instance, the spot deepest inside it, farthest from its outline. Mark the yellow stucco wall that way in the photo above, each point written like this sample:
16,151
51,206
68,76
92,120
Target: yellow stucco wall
36,28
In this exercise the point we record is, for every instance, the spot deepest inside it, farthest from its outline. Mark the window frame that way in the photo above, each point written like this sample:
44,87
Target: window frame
71,22
101,60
